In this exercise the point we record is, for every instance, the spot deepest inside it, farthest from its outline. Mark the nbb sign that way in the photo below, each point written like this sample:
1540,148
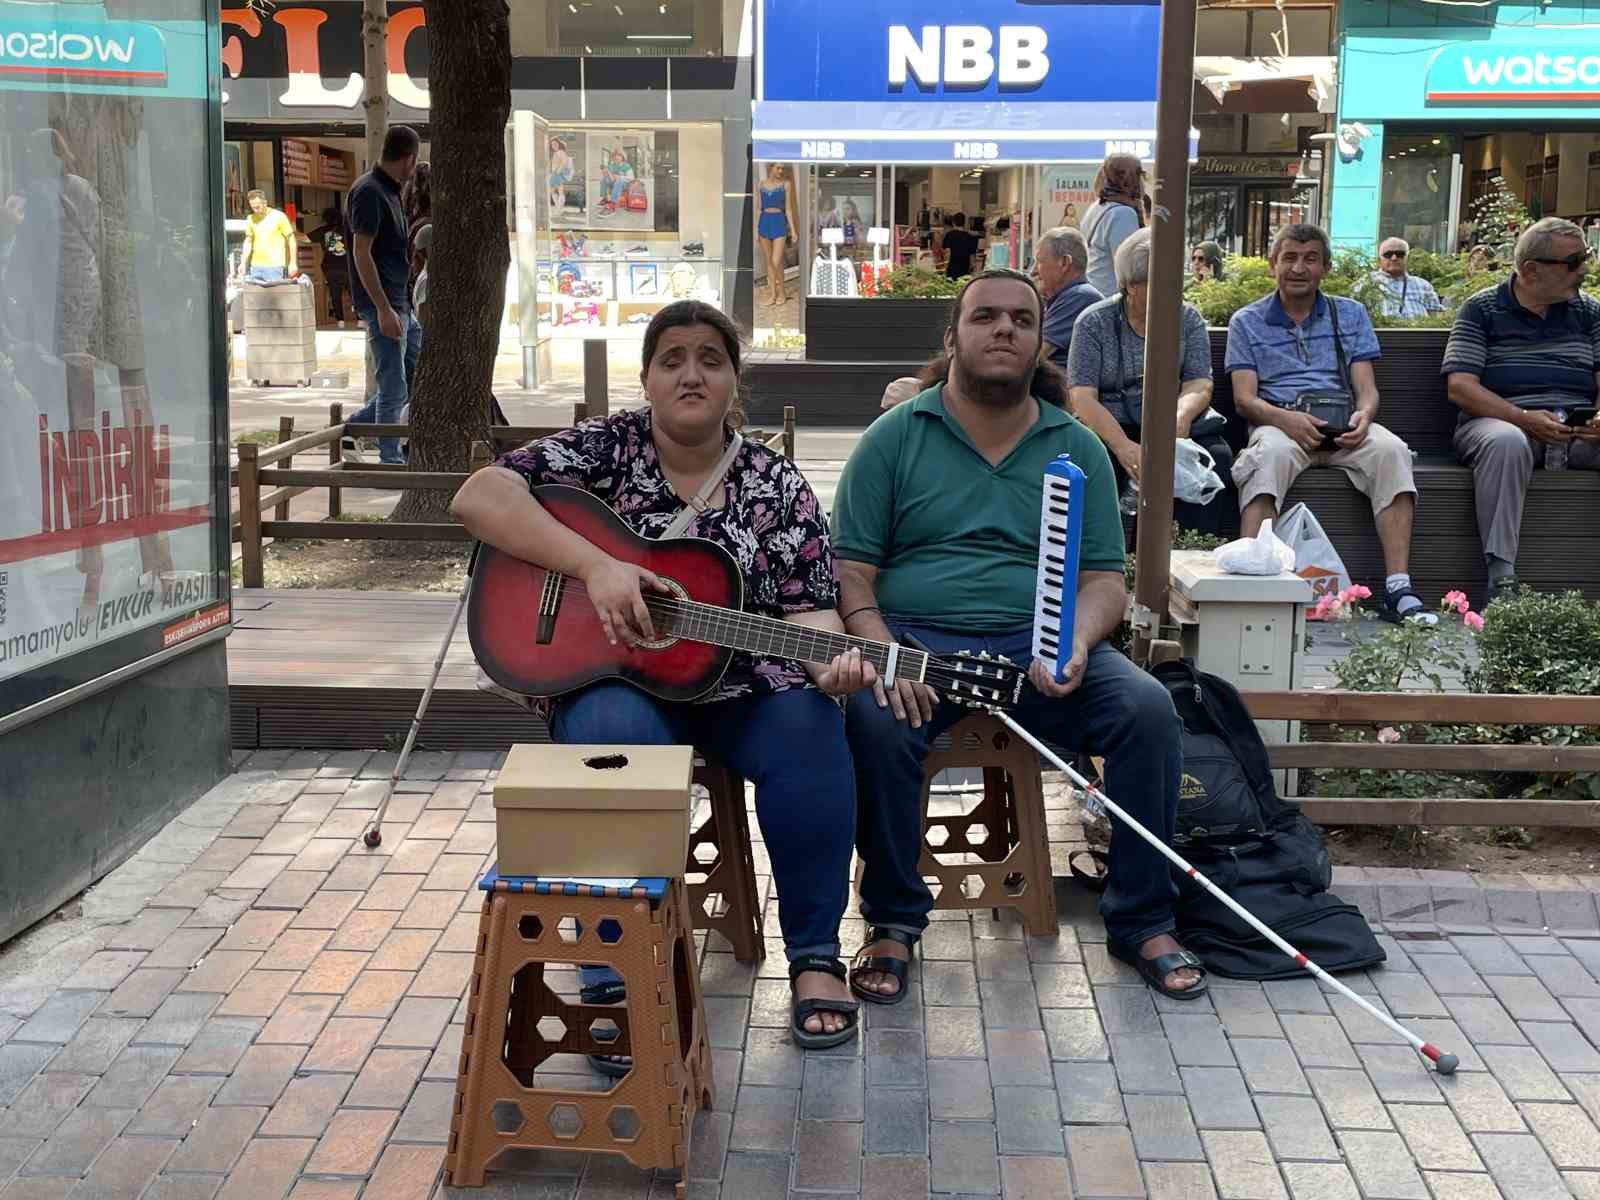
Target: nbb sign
967,57
1488,73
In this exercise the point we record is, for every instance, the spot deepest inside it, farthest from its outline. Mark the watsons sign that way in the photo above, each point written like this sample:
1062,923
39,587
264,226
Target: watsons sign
117,52
1508,73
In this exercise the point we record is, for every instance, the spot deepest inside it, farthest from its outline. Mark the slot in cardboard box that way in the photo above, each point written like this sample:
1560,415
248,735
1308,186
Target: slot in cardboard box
594,810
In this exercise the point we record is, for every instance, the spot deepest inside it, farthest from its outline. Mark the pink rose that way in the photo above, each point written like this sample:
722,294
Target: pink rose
1356,592
1472,620
1457,600
1388,735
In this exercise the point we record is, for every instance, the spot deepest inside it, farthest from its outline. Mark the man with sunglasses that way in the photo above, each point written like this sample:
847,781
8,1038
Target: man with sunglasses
1404,295
1523,366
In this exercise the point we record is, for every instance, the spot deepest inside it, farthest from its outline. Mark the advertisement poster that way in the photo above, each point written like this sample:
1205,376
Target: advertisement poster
845,204
621,179
1065,194
566,183
107,475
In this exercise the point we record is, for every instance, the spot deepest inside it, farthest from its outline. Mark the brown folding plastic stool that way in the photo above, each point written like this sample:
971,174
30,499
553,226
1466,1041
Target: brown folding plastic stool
515,1022
721,867
1013,845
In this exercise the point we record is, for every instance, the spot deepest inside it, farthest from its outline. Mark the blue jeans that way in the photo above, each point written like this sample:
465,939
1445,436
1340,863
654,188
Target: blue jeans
396,364
791,745
1118,711
265,274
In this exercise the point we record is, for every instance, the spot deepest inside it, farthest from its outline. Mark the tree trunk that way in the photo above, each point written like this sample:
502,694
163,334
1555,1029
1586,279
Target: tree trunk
375,67
469,82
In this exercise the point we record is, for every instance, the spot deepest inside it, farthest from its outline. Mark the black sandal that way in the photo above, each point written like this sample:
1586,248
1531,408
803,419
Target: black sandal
898,968
1155,970
610,992
802,1009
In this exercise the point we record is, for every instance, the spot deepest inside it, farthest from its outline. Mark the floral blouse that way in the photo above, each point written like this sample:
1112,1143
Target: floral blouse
769,521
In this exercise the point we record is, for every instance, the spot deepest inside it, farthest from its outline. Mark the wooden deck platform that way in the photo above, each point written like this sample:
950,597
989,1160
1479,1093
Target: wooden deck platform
345,670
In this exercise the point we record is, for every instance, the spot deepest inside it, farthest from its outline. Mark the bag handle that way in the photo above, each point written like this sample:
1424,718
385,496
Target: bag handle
701,500
1338,345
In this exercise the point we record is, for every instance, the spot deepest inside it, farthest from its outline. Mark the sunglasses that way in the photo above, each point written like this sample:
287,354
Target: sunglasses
1572,261
1393,254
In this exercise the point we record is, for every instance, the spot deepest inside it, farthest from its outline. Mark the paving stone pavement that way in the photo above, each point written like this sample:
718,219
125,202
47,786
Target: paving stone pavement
257,1007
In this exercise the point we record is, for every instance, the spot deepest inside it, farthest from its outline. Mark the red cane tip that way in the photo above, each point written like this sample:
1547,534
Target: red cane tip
1430,1051
1193,872
1300,960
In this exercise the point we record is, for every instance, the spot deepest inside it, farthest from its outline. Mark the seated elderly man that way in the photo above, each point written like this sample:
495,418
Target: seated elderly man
1106,374
1059,262
1297,348
1522,366
1403,294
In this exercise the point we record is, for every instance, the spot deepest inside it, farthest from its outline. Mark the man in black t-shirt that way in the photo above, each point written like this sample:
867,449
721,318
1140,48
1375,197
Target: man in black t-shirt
960,246
378,283
330,236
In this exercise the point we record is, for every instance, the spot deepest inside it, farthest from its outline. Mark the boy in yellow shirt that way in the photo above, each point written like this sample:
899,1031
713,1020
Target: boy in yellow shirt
270,252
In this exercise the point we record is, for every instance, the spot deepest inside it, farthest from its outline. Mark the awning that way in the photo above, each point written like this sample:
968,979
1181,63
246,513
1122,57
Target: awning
955,134
1221,75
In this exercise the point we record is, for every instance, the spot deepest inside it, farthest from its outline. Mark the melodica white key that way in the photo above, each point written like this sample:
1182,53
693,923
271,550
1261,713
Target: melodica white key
1060,538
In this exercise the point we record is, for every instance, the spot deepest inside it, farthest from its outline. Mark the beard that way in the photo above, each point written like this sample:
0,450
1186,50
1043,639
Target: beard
999,386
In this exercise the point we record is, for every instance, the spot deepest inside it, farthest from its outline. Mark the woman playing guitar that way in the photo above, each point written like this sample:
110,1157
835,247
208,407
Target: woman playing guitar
772,720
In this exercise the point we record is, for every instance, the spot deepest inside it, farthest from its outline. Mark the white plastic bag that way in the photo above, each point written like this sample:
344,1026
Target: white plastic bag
1263,554
1195,477
1315,559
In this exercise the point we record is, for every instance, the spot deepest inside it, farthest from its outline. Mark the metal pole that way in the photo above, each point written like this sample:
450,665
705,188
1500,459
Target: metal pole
1163,321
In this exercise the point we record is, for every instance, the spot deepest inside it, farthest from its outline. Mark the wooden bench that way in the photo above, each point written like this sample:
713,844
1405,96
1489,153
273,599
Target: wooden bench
1560,526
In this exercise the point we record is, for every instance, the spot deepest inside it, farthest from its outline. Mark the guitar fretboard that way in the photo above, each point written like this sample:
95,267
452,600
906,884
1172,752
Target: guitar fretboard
773,638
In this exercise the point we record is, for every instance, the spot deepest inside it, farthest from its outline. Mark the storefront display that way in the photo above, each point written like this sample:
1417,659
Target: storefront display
1437,107
113,415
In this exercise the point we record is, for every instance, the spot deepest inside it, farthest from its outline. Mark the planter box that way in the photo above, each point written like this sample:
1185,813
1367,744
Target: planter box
879,330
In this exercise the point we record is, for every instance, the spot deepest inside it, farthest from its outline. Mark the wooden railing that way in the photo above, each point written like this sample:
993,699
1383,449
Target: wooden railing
274,465
1395,708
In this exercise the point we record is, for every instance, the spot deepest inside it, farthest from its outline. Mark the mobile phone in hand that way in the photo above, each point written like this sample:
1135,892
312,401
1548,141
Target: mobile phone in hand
1577,418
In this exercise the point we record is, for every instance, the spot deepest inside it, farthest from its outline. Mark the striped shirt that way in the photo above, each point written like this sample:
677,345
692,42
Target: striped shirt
1407,296
1289,357
1532,361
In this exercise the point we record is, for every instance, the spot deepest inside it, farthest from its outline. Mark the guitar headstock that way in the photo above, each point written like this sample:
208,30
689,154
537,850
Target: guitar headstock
976,680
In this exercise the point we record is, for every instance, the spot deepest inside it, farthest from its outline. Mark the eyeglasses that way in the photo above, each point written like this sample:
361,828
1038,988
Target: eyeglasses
1393,254
1571,262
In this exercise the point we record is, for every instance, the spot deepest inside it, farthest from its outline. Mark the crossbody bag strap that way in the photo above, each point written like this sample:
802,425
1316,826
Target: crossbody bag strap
701,500
1338,346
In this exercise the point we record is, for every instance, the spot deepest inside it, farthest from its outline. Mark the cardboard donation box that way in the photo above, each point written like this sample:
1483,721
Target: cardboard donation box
602,811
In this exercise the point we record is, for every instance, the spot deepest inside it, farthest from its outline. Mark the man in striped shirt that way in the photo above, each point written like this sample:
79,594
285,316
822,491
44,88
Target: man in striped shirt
1522,362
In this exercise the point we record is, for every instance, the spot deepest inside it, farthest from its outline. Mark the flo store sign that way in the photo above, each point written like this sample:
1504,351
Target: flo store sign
1509,73
313,51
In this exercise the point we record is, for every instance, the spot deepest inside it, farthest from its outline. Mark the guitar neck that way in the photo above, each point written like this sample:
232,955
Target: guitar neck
773,638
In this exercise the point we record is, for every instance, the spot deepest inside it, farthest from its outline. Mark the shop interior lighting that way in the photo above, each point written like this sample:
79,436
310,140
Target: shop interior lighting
618,7
661,37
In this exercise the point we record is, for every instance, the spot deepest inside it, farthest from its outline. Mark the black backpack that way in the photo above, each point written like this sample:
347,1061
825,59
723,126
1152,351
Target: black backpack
1256,846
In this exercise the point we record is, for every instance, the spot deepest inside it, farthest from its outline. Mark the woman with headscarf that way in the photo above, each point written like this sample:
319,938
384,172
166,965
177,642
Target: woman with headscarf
1118,210
1205,261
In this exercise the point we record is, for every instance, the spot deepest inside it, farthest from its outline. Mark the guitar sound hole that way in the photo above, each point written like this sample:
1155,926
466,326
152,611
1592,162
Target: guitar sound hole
607,762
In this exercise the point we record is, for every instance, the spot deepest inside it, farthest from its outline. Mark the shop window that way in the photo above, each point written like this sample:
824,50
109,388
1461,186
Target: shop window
1415,201
1307,30
1221,32
107,375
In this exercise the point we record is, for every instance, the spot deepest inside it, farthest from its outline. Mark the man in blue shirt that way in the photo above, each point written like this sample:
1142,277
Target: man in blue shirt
1523,361
1295,341
1059,261
1404,294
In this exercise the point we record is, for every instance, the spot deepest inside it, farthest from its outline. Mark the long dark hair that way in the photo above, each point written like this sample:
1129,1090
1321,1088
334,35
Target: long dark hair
416,196
681,313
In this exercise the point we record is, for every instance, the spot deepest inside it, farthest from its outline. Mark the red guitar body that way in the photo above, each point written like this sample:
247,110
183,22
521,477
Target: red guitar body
541,656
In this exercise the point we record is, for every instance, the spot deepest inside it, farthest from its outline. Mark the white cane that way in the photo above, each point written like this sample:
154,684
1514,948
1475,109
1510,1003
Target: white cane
1445,1063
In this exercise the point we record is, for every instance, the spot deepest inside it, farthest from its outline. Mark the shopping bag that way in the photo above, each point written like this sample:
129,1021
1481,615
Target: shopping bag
1195,479
1264,554
1315,559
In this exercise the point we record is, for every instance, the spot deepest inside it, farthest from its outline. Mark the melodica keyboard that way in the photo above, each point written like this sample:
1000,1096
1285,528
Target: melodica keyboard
1060,538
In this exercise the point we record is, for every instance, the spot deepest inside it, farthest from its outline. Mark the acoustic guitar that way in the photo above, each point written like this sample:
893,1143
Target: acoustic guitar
535,632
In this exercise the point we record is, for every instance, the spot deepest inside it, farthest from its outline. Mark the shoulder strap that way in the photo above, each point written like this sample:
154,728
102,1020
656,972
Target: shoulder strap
700,500
1338,343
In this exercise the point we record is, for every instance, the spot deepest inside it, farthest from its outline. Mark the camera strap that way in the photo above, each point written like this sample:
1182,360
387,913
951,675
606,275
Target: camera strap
1338,345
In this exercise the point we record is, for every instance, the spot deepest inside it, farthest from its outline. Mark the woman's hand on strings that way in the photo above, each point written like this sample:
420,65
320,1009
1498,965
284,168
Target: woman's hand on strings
849,672
616,589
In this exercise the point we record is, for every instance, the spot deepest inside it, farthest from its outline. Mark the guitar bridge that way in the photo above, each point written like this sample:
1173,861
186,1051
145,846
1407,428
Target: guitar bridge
549,607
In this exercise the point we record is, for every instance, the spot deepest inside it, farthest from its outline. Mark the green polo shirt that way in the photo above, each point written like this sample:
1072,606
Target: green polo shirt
955,540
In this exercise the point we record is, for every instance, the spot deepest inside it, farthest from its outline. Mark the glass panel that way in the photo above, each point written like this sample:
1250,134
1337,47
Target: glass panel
1218,32
1416,189
1269,209
601,28
1308,32
1211,216
107,359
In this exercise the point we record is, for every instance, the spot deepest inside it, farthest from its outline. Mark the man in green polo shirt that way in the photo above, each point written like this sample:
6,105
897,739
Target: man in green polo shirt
936,529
